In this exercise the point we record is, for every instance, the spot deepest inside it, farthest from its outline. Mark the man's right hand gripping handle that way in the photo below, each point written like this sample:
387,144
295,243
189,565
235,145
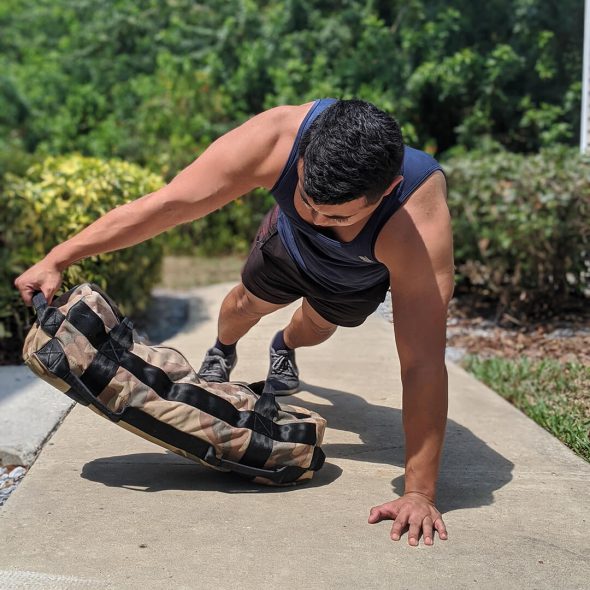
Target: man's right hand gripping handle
43,276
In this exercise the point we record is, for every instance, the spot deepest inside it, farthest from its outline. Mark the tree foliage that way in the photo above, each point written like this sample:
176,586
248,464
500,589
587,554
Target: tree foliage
156,81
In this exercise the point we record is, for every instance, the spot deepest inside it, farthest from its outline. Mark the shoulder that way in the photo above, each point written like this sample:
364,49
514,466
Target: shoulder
428,201
283,120
274,131
421,218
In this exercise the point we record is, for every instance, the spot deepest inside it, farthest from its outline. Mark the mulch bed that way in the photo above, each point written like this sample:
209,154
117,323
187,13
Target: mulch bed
473,326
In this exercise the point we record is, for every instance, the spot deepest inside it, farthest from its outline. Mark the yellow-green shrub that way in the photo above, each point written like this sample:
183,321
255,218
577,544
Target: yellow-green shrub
53,201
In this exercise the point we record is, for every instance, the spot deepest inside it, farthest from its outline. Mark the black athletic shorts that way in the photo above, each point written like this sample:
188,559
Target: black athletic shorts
272,275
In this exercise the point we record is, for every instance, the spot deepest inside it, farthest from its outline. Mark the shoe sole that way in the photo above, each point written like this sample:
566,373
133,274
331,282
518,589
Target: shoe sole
285,392
211,380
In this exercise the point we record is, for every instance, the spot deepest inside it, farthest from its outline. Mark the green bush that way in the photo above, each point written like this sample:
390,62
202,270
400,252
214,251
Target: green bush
15,160
155,81
53,201
522,226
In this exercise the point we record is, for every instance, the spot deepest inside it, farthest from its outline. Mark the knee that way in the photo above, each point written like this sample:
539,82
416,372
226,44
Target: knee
245,306
326,330
320,327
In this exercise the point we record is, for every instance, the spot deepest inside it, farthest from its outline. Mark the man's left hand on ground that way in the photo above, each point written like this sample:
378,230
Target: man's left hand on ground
413,510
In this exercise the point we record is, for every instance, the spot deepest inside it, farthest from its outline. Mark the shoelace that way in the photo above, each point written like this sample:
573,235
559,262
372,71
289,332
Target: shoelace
211,360
282,364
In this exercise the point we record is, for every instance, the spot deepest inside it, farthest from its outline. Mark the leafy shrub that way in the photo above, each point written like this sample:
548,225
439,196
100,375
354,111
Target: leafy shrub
14,159
154,81
522,226
55,200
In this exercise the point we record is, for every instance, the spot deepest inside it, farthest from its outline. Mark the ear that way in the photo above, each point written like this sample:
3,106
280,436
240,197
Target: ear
299,167
392,186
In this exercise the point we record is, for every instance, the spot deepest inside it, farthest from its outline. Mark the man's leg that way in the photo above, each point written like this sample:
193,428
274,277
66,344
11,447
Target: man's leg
240,311
306,328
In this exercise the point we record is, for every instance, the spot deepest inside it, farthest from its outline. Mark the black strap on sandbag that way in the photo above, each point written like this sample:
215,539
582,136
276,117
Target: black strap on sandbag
266,405
114,346
86,321
39,303
52,355
49,318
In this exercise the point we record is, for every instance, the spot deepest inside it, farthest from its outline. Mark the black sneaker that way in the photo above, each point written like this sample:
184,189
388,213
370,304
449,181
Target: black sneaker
217,366
283,375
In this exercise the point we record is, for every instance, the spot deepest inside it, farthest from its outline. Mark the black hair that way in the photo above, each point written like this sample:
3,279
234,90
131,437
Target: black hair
351,149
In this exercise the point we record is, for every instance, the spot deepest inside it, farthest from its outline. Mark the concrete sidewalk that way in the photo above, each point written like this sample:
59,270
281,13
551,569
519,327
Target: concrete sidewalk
102,508
29,412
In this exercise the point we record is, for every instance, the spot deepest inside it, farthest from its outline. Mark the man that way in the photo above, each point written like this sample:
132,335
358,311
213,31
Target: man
345,230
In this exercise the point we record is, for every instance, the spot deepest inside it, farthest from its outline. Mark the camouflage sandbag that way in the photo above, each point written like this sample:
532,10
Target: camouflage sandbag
83,346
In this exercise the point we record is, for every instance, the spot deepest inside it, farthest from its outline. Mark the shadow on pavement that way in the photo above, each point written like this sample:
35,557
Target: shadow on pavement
470,472
169,314
156,472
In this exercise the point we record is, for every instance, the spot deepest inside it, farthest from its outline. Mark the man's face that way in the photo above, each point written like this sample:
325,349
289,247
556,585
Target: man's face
341,215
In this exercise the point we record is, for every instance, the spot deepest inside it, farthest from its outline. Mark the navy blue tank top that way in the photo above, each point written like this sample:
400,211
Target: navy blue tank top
342,267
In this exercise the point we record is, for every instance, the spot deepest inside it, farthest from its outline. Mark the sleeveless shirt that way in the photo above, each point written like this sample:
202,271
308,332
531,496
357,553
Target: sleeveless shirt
342,267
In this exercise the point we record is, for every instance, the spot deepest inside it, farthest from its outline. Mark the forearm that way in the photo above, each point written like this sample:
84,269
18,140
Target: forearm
121,227
425,401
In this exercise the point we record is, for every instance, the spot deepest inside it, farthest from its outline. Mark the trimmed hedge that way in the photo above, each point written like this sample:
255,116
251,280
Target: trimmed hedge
53,201
522,227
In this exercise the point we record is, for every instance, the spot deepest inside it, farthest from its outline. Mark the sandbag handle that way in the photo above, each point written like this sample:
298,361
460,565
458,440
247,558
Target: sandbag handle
39,302
285,474
266,405
80,388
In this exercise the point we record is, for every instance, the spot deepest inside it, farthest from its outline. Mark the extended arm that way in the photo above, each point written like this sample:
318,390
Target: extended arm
237,162
419,254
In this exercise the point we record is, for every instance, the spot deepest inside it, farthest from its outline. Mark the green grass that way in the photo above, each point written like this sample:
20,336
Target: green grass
556,396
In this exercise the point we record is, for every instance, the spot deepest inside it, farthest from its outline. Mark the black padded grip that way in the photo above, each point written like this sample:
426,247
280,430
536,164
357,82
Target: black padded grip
39,302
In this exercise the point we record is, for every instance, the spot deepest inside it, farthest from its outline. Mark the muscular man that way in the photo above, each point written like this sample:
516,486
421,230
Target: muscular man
344,231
